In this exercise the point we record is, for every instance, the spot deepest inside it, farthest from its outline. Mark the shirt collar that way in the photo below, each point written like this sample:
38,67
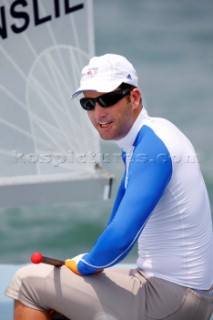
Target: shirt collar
126,142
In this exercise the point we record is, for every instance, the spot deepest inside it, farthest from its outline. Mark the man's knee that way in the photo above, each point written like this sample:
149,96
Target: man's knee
24,273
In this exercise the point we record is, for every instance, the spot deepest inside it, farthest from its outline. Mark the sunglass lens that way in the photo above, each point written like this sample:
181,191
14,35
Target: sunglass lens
87,104
109,99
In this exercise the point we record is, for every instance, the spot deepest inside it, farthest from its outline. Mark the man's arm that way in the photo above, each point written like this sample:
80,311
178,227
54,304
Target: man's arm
147,182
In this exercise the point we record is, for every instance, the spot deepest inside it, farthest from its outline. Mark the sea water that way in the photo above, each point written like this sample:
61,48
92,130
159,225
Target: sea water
170,43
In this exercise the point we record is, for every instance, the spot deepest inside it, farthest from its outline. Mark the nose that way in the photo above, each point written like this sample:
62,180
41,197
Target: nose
99,111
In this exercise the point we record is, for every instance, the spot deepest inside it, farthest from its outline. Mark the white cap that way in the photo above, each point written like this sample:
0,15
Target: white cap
106,73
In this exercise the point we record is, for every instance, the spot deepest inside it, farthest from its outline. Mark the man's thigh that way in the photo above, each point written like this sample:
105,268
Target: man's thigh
44,287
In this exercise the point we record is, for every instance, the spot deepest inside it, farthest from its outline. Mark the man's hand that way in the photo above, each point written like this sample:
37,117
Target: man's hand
72,264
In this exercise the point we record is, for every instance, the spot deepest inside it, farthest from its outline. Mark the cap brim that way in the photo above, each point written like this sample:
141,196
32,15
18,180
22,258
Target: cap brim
103,86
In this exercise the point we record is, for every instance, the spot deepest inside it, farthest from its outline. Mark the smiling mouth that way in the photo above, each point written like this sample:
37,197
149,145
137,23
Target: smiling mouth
104,125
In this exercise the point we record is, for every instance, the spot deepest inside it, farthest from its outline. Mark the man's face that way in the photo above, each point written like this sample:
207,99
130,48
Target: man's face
113,122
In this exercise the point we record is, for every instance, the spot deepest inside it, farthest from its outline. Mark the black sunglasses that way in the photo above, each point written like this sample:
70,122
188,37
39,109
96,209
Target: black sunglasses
105,100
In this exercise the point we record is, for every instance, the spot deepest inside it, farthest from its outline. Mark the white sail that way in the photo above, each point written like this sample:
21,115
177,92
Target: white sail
48,149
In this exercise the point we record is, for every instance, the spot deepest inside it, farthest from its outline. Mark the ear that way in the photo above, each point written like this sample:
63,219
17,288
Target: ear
136,98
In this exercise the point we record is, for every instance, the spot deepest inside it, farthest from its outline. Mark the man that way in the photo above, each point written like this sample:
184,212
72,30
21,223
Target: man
162,203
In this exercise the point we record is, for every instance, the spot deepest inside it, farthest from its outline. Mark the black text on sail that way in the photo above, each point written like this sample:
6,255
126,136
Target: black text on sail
19,11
